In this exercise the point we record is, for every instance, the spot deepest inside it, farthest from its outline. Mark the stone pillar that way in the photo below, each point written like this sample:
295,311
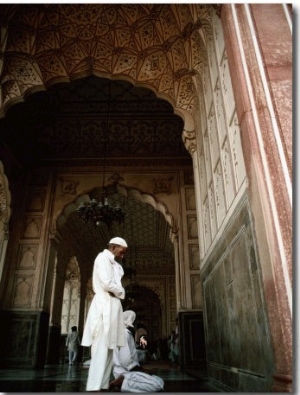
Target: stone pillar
24,297
258,40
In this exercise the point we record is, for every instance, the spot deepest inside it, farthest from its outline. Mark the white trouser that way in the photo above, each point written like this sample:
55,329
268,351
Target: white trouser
72,356
141,382
101,365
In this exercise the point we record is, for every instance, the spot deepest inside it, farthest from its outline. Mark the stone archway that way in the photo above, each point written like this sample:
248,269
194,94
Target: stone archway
159,268
44,44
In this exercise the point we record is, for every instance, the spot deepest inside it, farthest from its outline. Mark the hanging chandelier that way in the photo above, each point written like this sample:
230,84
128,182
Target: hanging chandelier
98,211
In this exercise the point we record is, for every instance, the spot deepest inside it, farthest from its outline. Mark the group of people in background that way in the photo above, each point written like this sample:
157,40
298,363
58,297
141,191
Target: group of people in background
109,332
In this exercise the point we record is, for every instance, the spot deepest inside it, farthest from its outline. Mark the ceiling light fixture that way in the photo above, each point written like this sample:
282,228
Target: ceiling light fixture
98,211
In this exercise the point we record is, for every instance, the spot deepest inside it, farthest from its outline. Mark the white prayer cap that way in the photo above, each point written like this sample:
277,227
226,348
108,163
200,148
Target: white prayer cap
129,317
119,241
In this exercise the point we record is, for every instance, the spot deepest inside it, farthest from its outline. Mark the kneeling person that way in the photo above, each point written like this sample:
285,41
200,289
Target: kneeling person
129,375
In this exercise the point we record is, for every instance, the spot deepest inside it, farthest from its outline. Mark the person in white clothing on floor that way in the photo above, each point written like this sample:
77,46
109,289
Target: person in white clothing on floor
104,328
129,375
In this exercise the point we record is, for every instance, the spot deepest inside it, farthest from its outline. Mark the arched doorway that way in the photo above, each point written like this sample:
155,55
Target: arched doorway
151,253
147,306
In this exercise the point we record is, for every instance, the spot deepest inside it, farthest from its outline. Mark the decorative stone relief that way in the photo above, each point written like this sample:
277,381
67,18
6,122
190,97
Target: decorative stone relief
190,199
140,137
207,90
227,90
203,181
22,290
222,129
213,137
194,257
192,227
163,185
68,187
237,153
206,225
221,164
207,158
212,210
32,228
219,194
196,291
229,181
218,35
27,256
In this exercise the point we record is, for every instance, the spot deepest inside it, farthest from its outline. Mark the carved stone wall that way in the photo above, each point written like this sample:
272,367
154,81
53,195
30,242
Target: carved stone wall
239,351
26,277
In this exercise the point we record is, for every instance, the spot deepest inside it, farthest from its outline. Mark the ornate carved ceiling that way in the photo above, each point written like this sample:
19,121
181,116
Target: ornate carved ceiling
161,46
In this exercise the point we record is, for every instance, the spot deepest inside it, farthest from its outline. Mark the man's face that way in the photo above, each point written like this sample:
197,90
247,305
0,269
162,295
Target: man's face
119,252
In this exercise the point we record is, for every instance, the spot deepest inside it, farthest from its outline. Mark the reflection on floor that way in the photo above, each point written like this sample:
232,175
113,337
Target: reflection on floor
66,378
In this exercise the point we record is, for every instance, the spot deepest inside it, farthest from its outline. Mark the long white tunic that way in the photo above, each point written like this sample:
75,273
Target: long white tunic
73,341
125,358
104,328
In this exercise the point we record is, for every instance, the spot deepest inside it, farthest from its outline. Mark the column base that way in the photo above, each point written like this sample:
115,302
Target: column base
282,383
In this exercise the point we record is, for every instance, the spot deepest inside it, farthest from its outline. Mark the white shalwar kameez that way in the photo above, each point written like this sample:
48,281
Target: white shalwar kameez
104,328
126,358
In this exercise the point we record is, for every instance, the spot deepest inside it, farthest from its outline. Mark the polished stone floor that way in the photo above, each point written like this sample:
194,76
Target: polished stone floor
66,378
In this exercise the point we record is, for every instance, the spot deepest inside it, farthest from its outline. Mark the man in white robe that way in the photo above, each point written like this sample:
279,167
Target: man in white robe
129,375
104,328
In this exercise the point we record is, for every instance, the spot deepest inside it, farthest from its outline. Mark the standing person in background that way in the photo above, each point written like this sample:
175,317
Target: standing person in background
104,328
174,348
73,343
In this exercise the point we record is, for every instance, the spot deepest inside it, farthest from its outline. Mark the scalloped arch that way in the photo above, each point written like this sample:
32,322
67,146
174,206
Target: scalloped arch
140,196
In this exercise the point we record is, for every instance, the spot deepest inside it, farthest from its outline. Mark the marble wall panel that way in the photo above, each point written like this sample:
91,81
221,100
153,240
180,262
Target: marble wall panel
23,339
237,333
194,257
